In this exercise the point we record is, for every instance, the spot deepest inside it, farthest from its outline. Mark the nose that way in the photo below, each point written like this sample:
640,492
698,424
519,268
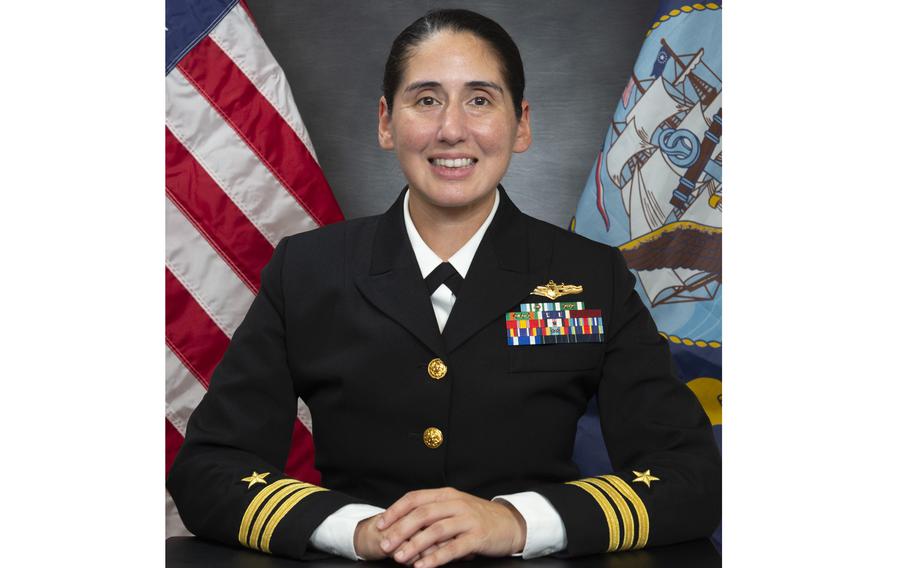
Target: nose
453,127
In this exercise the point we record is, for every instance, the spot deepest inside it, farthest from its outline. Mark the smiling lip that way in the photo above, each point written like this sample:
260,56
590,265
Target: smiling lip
453,162
452,167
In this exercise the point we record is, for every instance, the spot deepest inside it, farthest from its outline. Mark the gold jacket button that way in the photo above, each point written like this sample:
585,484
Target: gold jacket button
432,437
436,369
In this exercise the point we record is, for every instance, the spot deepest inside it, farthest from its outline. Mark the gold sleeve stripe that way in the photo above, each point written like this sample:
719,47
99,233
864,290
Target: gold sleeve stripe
263,494
282,511
625,513
609,513
644,525
263,515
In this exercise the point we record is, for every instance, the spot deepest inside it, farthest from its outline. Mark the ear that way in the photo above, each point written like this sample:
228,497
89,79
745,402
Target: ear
523,135
386,141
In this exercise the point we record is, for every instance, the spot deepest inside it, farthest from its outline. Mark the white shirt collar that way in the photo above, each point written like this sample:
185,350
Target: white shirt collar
461,260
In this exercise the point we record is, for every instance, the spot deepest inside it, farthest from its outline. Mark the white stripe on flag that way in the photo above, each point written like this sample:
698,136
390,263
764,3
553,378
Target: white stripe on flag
182,391
237,37
230,162
204,273
303,413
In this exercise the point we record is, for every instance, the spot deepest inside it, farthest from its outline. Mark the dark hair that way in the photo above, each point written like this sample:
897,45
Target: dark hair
456,21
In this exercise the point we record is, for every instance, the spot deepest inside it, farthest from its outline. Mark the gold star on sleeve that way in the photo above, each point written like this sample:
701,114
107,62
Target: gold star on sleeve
255,478
644,477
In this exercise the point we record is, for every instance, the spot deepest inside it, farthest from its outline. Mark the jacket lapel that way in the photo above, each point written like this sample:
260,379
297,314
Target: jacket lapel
393,283
502,274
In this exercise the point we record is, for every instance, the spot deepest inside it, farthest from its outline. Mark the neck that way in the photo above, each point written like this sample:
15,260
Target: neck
446,230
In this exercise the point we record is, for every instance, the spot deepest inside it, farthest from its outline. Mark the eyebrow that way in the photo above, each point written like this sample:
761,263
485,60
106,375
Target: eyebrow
485,85
419,85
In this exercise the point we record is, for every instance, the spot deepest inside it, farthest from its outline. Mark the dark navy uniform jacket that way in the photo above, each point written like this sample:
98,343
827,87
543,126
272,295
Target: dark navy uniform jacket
343,320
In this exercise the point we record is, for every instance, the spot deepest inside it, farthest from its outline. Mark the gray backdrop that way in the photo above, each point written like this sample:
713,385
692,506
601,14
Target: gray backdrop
578,55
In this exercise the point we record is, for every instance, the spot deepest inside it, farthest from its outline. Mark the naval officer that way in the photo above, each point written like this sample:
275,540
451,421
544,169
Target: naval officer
446,350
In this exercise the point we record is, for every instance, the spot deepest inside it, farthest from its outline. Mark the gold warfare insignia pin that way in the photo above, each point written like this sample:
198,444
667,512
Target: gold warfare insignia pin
644,477
255,478
552,290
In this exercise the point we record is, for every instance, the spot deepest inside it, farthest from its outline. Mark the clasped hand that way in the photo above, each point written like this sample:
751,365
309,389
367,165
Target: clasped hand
431,527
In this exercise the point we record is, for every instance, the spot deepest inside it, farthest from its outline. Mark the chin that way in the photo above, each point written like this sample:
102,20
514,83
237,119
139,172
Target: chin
453,198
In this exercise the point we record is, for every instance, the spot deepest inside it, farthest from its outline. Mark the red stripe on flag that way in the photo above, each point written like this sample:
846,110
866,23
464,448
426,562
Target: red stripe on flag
300,459
214,215
172,442
231,93
190,332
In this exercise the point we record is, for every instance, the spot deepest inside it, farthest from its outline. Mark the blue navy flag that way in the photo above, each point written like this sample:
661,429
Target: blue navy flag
655,192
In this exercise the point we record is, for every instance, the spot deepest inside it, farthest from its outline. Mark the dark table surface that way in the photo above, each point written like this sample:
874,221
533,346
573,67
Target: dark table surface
191,551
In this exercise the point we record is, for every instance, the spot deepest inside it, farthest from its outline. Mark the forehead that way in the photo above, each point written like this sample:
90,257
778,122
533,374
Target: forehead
453,57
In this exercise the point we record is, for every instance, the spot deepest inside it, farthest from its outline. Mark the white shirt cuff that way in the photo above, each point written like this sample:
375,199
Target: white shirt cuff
335,534
546,532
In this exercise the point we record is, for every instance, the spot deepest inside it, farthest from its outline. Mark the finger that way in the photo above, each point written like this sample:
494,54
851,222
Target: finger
409,501
431,549
459,548
432,536
435,547
407,527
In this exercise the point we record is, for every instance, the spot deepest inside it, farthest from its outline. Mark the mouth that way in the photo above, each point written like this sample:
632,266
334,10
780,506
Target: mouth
453,163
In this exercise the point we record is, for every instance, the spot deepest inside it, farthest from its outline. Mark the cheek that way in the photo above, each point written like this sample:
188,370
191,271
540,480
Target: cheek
413,137
497,138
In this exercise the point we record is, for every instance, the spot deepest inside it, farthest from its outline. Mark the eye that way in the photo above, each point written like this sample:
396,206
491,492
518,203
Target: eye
480,101
426,101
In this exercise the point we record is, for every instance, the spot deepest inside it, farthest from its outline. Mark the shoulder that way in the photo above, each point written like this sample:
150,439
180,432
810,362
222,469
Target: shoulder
322,254
330,240
572,245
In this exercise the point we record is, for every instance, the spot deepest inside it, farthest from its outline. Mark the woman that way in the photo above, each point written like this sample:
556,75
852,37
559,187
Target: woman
446,350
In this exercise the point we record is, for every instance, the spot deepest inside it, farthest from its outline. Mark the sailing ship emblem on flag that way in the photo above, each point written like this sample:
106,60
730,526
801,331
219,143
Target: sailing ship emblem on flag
664,163
656,190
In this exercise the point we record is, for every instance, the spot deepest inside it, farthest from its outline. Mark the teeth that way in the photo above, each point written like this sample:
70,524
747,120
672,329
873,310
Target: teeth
456,163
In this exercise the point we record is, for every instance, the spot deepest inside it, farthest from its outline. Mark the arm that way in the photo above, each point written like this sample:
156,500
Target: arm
651,422
227,479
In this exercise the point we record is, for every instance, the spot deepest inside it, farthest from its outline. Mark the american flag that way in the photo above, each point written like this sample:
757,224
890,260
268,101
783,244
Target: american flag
240,174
